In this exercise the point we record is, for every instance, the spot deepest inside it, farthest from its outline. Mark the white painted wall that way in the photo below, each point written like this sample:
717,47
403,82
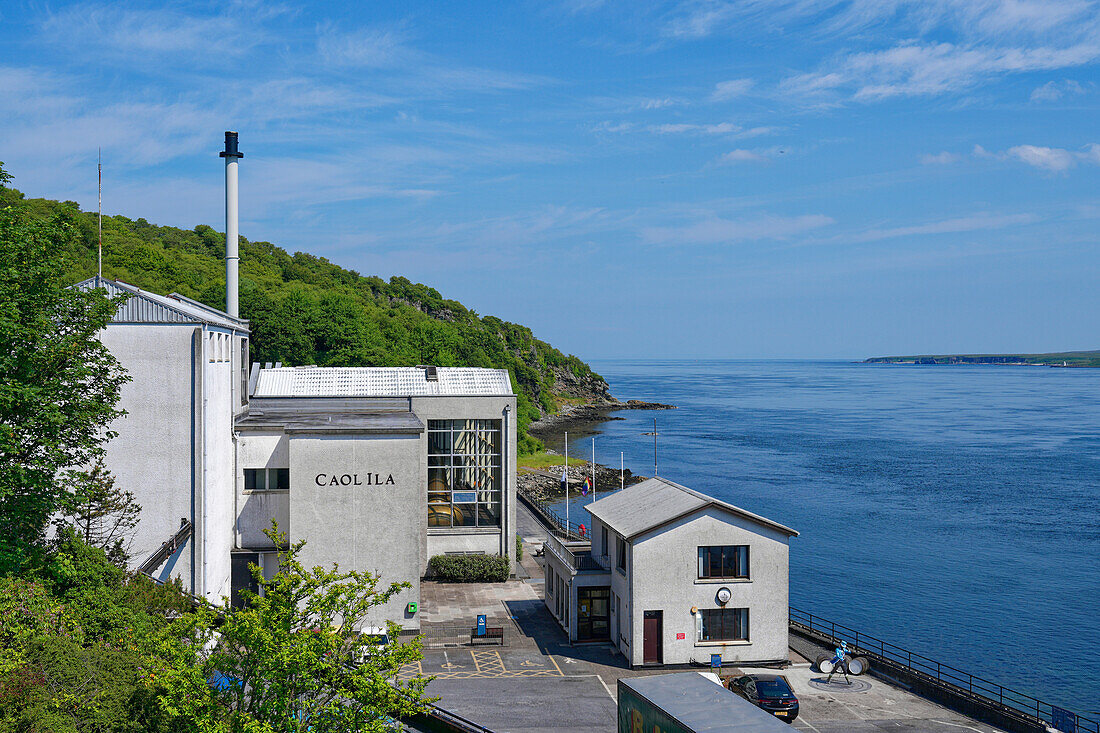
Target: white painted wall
665,578
152,454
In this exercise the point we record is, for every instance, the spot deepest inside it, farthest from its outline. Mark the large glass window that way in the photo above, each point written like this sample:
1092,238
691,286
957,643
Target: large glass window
724,561
267,479
723,624
464,473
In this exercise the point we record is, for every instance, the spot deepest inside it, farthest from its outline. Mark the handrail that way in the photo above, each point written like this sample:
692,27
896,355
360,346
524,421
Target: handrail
944,674
167,548
554,521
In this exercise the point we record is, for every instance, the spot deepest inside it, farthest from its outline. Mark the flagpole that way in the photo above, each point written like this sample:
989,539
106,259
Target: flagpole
99,174
593,469
620,471
567,485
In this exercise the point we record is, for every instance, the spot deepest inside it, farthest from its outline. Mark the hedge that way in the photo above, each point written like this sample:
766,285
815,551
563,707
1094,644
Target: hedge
469,568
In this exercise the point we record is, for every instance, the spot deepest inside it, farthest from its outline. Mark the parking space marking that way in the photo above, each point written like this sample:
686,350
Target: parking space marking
488,664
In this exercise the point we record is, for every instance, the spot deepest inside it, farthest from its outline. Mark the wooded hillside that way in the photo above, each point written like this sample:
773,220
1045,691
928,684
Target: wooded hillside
305,310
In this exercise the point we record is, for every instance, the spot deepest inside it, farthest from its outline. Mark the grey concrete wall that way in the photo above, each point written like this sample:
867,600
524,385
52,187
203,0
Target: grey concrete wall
255,510
463,539
152,454
665,578
365,527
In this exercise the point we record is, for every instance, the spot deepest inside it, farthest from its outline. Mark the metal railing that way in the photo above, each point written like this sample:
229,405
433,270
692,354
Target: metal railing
549,515
442,636
578,557
992,694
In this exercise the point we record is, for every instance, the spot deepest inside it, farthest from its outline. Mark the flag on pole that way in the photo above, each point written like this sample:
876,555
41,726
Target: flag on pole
586,487
564,479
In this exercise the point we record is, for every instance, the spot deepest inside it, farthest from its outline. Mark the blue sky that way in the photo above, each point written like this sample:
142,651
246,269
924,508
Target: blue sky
762,178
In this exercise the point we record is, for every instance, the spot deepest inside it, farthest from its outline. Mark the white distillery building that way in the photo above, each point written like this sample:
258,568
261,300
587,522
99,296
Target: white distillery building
673,576
377,469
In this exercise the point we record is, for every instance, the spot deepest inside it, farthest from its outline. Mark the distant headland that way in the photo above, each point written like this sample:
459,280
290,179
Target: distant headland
1060,359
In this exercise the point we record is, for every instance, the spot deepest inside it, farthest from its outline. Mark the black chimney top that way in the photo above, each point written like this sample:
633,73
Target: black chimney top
230,146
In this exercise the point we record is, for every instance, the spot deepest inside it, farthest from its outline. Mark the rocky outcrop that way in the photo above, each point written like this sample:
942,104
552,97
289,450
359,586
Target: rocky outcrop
546,485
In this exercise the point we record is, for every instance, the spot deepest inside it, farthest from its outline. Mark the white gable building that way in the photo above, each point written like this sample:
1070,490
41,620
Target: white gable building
672,576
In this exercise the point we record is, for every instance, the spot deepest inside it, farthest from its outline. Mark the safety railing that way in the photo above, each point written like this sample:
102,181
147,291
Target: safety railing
945,675
550,517
442,636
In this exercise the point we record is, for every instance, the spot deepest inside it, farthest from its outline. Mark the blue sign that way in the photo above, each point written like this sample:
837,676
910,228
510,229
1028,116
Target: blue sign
716,660
481,624
1063,720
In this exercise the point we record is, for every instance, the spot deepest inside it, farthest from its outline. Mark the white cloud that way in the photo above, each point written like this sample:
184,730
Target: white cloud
716,230
1052,91
115,31
1051,160
973,223
1048,159
366,47
943,158
720,128
742,156
729,89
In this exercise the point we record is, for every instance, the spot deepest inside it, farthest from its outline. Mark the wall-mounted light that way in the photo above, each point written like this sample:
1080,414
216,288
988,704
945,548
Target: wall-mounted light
724,596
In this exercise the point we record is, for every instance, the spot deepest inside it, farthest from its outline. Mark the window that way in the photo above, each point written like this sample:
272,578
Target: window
723,624
267,479
603,541
244,371
724,561
464,473
622,554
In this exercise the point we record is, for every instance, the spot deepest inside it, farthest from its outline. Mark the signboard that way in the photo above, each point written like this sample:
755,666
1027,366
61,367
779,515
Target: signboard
481,624
716,660
681,637
1063,720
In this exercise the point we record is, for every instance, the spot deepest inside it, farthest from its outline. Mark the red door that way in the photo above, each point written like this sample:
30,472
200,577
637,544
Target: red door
651,637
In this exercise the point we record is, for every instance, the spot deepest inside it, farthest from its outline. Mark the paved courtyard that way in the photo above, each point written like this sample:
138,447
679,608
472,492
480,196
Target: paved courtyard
538,682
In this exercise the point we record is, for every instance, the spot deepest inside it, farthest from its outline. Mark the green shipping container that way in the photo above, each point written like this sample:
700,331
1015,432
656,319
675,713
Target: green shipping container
688,702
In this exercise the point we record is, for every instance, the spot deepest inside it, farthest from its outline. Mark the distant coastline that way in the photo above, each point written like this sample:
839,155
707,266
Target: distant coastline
1086,359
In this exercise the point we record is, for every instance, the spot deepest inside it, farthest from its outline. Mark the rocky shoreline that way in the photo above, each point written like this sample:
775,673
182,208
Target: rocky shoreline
546,485
589,412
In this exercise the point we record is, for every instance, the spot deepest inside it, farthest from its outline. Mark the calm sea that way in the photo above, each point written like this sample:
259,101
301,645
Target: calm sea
954,510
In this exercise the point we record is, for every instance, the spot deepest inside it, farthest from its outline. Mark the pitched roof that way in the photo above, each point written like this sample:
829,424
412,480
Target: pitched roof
312,381
656,501
145,307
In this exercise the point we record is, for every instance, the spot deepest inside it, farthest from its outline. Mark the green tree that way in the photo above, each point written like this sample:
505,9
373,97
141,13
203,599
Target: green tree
58,384
296,658
101,514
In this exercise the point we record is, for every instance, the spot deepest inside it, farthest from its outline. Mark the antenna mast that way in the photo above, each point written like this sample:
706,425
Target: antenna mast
100,170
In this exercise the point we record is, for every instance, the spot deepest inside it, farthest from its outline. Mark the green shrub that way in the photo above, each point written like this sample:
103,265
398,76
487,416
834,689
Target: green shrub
519,548
470,568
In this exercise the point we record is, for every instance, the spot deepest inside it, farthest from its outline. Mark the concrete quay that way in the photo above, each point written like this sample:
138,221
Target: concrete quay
537,682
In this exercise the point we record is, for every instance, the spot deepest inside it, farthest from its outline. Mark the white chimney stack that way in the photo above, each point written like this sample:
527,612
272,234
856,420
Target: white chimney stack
231,156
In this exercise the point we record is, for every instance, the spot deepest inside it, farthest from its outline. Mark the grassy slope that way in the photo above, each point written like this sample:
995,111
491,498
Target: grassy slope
305,310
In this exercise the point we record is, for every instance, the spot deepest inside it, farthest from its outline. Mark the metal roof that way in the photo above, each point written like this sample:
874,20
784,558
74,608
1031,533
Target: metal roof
701,705
656,501
315,381
145,307
292,421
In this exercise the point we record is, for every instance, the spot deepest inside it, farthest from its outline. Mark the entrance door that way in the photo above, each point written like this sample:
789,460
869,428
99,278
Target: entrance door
651,637
240,577
593,613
